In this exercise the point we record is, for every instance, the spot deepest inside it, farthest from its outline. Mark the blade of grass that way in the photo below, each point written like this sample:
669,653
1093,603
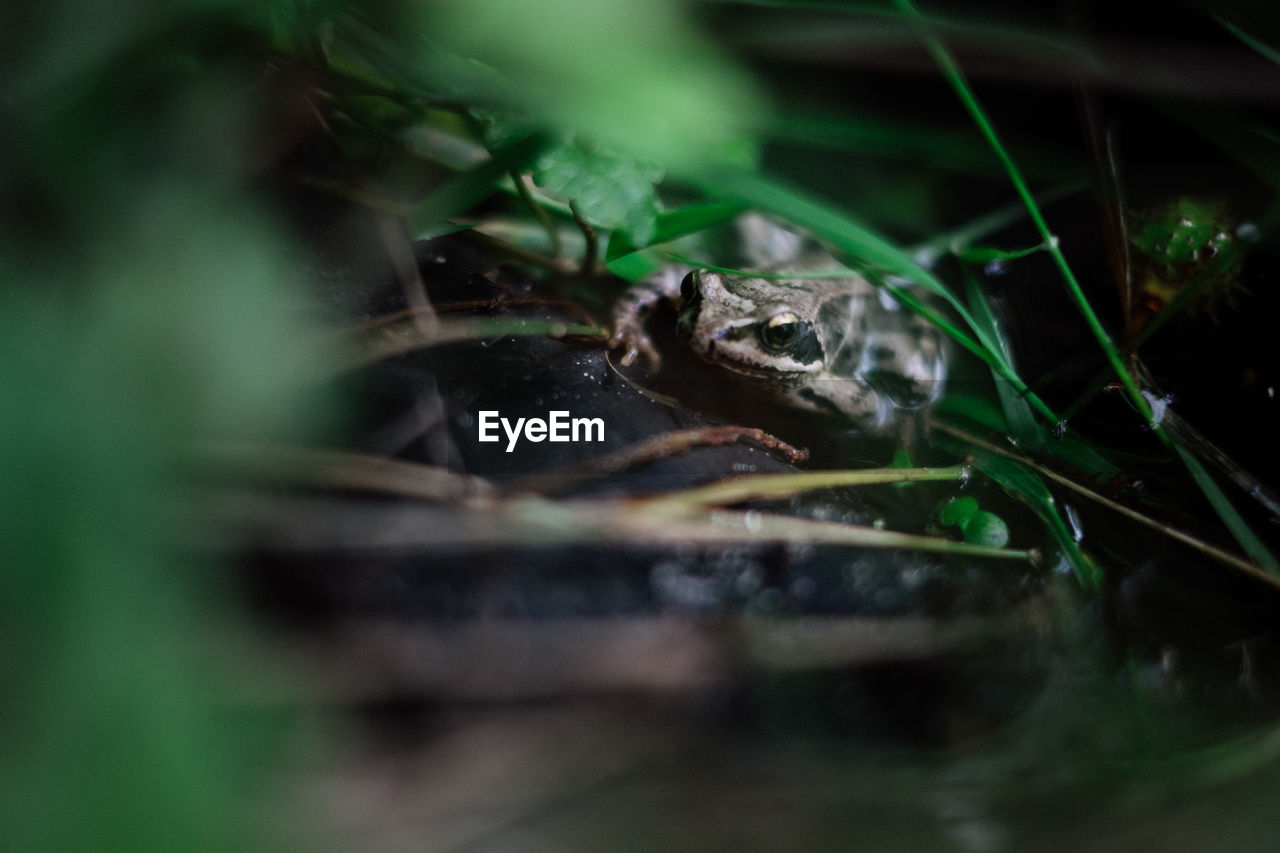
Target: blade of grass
954,242
659,522
1025,485
779,276
776,486
1017,411
1208,452
932,145
955,77
1014,41
1248,540
1212,551
1259,46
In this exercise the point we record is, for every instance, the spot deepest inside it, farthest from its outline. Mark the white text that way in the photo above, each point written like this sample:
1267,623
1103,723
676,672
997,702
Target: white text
558,426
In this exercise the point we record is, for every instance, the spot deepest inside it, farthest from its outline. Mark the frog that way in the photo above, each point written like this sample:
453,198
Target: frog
838,346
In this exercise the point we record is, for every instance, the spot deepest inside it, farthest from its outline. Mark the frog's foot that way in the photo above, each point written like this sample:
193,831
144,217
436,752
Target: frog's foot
634,344
634,307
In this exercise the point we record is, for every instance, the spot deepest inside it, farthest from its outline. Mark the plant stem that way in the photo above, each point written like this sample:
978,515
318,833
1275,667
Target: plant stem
592,251
539,212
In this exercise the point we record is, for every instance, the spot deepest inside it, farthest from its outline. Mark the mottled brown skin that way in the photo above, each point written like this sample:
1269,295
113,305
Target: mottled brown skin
836,345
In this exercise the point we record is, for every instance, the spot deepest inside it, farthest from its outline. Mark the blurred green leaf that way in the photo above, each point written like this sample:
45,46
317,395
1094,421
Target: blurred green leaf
901,459
1026,486
634,77
986,528
1017,411
982,411
932,144
957,511
608,188
466,189
154,311
113,743
1244,535
1257,44
1082,456
672,224
626,260
637,264
984,254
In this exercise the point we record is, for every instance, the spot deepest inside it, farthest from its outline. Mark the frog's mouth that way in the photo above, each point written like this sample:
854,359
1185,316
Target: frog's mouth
770,375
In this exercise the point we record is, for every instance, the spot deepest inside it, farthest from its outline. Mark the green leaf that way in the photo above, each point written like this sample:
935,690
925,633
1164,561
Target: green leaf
979,526
986,528
977,410
1244,535
1082,456
468,188
1026,486
1028,433
982,255
631,262
957,511
634,266
1262,47
673,224
609,188
637,77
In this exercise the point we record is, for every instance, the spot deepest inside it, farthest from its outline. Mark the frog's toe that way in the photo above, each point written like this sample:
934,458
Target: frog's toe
635,345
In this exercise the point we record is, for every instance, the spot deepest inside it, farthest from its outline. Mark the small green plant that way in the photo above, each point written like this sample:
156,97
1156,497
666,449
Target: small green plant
978,526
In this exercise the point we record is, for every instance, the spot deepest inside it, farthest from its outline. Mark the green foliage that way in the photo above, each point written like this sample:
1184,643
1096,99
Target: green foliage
957,511
634,77
618,112
985,254
979,526
632,259
1027,486
606,187
986,528
147,308
144,311
1188,231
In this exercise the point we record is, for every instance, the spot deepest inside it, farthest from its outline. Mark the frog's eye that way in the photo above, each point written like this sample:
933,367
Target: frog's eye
781,330
689,287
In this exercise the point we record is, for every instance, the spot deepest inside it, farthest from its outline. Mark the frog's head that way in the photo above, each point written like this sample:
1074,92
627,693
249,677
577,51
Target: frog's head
760,328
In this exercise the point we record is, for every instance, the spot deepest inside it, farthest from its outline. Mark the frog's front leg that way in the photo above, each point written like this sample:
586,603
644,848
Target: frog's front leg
634,307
